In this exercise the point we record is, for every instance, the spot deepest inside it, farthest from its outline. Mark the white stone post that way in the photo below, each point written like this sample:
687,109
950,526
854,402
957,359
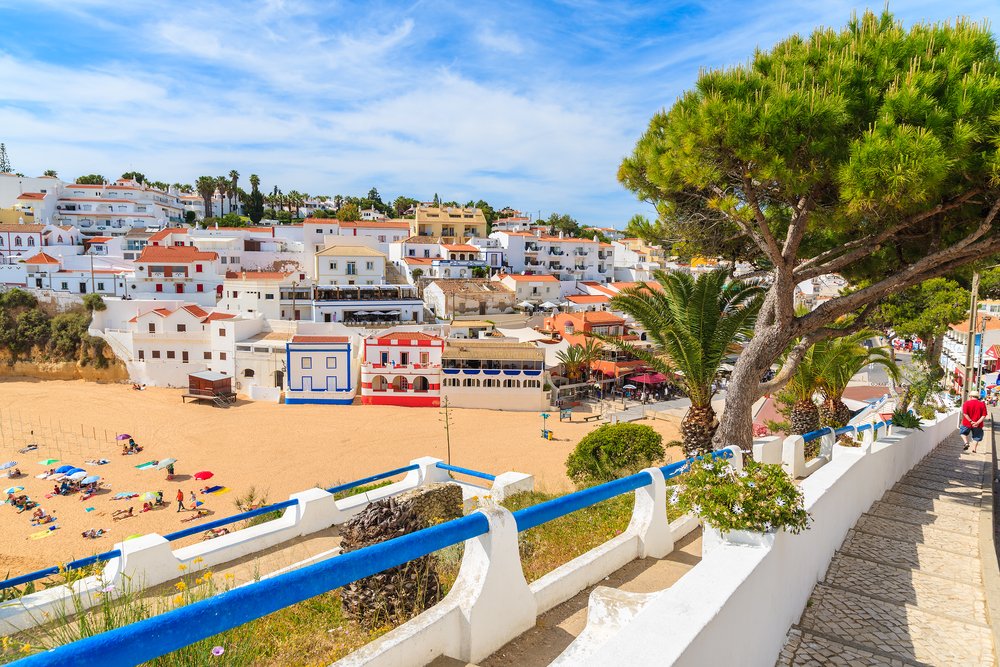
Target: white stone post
493,597
145,561
317,510
767,450
793,456
737,460
649,518
508,483
427,473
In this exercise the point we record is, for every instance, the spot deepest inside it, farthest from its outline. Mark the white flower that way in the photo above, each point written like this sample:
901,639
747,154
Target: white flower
752,485
780,502
743,474
696,508
767,526
674,497
737,509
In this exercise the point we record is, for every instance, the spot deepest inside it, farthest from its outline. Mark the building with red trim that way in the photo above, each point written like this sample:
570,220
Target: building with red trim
402,368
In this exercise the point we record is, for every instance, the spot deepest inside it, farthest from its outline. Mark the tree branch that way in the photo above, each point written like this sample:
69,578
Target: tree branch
771,244
863,247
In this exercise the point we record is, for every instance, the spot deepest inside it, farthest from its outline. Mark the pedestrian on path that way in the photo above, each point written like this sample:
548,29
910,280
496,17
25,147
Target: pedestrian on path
973,418
180,500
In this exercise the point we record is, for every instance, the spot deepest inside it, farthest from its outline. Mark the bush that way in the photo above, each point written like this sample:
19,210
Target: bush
905,419
759,498
613,451
94,302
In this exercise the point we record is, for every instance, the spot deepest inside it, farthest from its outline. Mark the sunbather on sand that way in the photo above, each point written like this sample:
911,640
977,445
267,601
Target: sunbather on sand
122,514
214,532
93,534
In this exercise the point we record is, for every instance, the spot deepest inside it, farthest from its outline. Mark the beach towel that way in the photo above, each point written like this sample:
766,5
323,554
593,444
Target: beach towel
147,464
220,491
212,489
88,509
98,462
42,533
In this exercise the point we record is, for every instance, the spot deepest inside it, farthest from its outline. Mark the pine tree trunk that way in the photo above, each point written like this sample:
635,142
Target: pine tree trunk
697,429
805,417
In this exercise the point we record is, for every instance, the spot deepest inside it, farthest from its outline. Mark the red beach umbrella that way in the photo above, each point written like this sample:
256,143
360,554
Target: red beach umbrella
203,475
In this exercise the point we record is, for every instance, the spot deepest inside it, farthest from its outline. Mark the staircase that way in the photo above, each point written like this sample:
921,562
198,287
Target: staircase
906,587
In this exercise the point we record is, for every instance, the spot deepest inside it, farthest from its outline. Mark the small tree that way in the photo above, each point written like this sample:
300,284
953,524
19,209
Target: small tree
94,302
613,451
190,217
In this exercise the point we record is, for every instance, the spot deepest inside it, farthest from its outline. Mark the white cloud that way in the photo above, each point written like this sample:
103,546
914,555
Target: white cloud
502,42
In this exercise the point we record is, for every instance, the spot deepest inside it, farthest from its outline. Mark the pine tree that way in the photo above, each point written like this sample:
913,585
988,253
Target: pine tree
5,167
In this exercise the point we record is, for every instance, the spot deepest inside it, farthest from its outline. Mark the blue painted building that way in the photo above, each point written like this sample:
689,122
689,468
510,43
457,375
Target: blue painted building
320,370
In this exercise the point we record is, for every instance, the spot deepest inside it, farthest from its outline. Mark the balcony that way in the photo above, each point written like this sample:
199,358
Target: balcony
604,255
530,247
553,251
581,253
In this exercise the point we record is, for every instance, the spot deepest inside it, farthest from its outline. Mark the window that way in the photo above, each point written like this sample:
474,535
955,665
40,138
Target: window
1,240
31,241
333,266
65,286
425,357
17,240
269,296
404,358
412,252
307,363
384,358
222,332
142,355
207,356
100,286
184,356
170,354
369,266
224,260
199,288
159,287
181,328
222,356
197,268
427,253
351,269
156,354
381,238
331,362
152,328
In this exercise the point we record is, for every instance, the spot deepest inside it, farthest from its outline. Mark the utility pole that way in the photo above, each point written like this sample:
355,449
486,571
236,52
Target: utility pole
446,418
982,355
970,343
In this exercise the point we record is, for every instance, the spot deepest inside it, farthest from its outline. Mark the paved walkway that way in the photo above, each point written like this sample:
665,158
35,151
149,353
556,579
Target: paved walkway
906,587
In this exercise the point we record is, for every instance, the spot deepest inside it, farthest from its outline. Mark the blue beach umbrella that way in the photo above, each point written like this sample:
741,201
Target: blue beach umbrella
64,469
91,479
9,464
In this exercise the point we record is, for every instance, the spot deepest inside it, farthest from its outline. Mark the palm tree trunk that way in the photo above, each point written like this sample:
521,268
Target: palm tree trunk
833,412
805,417
697,428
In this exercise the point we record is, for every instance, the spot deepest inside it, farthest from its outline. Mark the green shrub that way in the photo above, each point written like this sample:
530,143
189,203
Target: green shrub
904,419
612,451
760,497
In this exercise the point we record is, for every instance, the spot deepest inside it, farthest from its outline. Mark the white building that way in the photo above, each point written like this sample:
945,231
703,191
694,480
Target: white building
535,289
493,375
321,369
169,271
274,295
349,265
568,259
370,305
115,209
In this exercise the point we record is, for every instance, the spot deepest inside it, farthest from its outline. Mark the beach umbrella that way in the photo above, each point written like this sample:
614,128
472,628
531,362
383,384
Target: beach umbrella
77,476
122,436
526,304
74,470
91,479
64,469
629,386
149,496
164,463
47,462
9,464
203,475
549,305
14,489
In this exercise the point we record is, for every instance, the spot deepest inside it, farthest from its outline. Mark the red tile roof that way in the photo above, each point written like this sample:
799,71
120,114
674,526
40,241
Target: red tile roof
320,339
588,298
461,247
174,255
219,316
26,229
407,335
97,239
197,311
164,233
41,258
32,195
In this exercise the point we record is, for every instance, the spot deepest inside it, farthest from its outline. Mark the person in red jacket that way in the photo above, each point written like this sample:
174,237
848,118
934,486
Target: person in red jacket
973,418
180,500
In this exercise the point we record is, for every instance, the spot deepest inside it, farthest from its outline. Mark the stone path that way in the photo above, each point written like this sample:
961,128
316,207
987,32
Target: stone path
906,587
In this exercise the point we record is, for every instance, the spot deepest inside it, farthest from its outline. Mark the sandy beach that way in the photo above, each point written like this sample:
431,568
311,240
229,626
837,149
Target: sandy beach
278,449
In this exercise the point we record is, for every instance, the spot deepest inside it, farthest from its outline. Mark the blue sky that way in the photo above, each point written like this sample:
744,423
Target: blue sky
525,104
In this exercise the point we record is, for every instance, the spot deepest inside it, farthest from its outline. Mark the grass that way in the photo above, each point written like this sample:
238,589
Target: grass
316,631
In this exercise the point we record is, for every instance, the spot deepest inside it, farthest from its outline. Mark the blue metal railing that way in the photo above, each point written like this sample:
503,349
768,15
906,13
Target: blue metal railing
466,471
159,635
202,527
373,478
181,627
818,433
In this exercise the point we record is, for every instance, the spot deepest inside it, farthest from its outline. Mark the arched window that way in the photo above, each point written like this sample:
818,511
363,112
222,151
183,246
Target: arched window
400,383
31,241
420,384
1,240
17,240
248,372
379,383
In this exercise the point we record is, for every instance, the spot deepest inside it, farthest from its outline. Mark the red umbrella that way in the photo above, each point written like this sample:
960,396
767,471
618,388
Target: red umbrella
203,475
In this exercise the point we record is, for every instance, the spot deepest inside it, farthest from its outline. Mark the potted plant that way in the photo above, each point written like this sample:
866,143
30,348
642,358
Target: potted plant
741,506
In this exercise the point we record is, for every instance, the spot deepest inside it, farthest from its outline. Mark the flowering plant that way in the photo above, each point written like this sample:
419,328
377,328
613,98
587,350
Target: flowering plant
759,498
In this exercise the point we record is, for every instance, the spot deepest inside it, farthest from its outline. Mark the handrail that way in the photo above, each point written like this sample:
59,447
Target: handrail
373,478
844,429
150,638
56,569
466,471
159,635
202,527
818,433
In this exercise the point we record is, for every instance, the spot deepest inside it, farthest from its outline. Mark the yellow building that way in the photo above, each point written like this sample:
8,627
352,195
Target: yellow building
450,223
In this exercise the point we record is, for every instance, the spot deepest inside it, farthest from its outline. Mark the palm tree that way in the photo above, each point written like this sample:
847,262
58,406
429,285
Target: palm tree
222,185
802,388
692,322
234,178
206,190
849,357
573,359
592,348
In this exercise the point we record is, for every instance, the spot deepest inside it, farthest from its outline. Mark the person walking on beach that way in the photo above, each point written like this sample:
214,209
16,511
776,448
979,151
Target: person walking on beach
180,500
973,418
194,501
